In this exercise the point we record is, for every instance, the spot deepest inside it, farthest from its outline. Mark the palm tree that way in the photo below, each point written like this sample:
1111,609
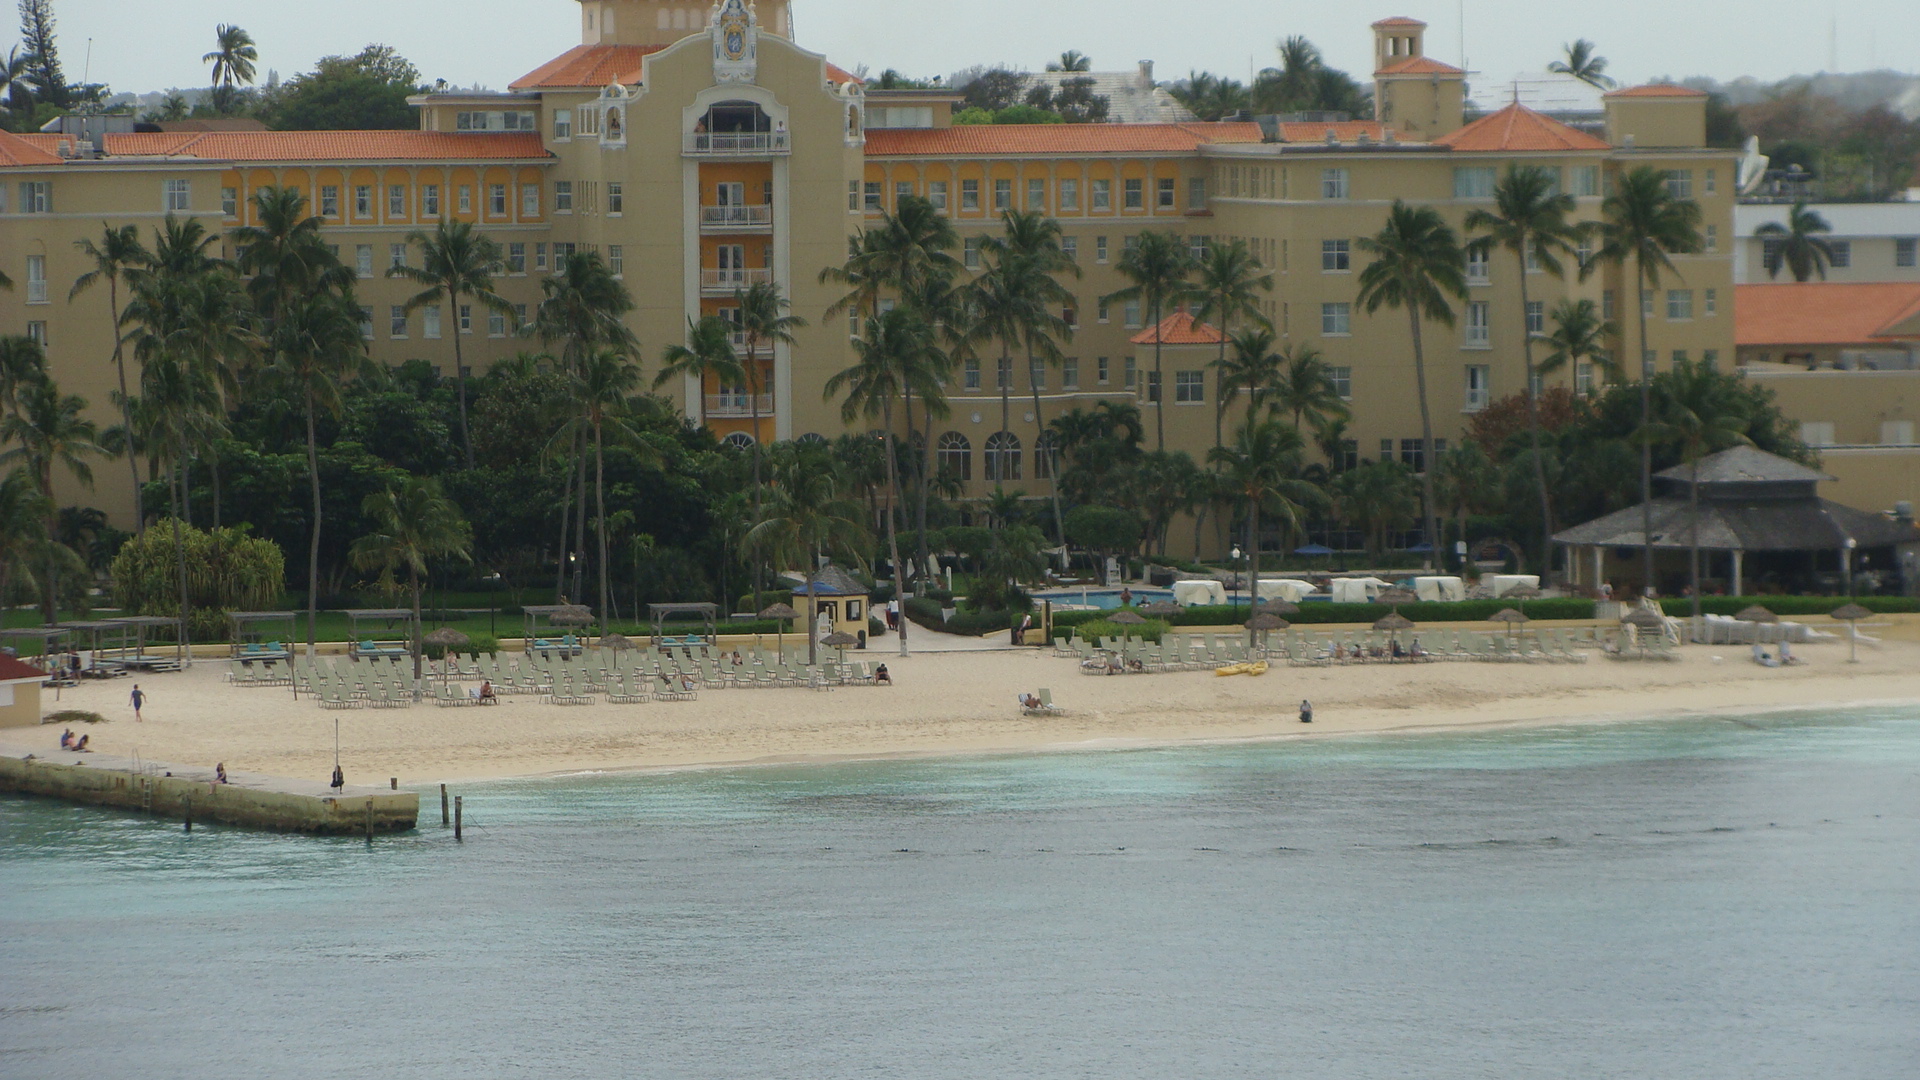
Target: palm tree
601,389
1466,481
117,254
50,429
763,319
1253,368
891,354
1158,265
22,364
1798,245
807,515
455,262
1262,469
1227,286
24,541
1374,498
1643,222
1529,219
1033,239
1417,264
1072,60
413,523
1582,64
708,353
283,255
1579,335
1697,411
1305,388
232,62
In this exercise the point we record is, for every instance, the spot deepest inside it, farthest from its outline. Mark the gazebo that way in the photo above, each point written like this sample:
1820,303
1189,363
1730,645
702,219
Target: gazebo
708,614
841,599
139,658
368,646
256,634
1760,515
545,622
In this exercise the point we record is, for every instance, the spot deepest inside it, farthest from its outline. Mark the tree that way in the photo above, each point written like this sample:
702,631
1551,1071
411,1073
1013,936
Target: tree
1032,239
43,71
1107,531
1643,222
601,388
1252,368
283,256
414,522
1417,264
1579,335
806,515
368,91
1698,413
1210,97
1583,64
1529,220
24,541
1262,469
455,262
1158,264
49,429
232,59
1227,285
1305,388
117,254
1072,60
992,89
764,319
1465,480
1798,245
14,75
1376,497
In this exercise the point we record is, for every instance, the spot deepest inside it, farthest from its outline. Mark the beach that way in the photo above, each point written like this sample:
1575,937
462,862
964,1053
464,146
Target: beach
942,703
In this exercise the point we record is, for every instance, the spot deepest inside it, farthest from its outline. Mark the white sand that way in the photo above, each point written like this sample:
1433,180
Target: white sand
942,703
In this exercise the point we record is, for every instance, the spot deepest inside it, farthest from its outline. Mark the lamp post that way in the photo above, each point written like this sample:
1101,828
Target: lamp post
1237,556
493,602
1848,568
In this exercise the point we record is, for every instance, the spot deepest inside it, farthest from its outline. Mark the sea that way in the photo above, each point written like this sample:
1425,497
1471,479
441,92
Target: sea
1733,897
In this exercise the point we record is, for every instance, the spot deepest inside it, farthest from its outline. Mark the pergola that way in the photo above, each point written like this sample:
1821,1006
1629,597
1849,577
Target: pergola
547,621
709,614
47,636
140,624
386,617
251,630
97,633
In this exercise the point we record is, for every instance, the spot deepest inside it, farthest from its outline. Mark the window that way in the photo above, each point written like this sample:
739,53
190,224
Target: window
616,259
1712,238
1102,371
1189,387
37,333
1842,254
1002,195
1166,189
1536,316
329,200
36,197
1479,387
1037,195
563,123
1070,317
971,376
430,200
970,253
1679,303
430,321
179,196
1070,247
1606,304
1583,379
1342,380
873,193
563,252
1099,249
539,256
496,324
396,200
230,202
1135,194
37,279
954,455
1102,313
1473,181
1479,325
562,199
1336,320
937,194
1710,359
494,121
902,190
1680,183
497,200
1129,372
397,321
1479,266
1413,453
1711,302
853,196
616,199
1646,305
1153,387
466,318
1197,247
1333,183
1069,195
1132,314
1103,194
1003,373
1896,432
1070,373
396,254
1037,373
363,260
517,258
1336,256
1679,357
366,323
1816,432
1586,181
1196,193
969,194
1713,181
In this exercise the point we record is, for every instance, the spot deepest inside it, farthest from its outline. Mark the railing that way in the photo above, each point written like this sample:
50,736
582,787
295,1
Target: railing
740,143
727,280
731,405
730,217
36,292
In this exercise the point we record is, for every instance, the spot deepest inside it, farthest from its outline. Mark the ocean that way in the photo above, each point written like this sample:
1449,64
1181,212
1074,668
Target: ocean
1697,898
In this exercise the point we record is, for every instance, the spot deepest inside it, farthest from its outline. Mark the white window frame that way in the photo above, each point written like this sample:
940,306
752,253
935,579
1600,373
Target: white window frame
1335,184
1479,388
1479,325
1336,319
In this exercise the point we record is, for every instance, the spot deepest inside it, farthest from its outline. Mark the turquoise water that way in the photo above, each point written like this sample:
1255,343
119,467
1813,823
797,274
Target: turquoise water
1106,599
1695,899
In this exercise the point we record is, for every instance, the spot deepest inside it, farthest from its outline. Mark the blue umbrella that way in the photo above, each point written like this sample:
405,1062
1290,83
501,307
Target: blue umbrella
1420,548
1313,549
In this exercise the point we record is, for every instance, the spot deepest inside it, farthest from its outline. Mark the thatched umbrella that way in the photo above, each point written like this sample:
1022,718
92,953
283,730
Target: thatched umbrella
572,615
449,639
782,612
1126,618
840,639
1851,614
1757,614
1277,607
1509,616
1160,608
1397,596
1393,624
1521,591
1264,623
617,643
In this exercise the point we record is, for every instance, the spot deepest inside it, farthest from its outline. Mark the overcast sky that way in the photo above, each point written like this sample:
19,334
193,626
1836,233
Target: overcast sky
143,45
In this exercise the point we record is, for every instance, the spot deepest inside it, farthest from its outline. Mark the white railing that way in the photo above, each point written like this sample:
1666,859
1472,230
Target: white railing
727,217
728,280
728,405
36,292
742,143
1478,400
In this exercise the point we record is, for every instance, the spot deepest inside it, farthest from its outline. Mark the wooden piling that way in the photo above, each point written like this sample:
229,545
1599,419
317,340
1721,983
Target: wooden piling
369,821
187,811
456,817
443,806
393,782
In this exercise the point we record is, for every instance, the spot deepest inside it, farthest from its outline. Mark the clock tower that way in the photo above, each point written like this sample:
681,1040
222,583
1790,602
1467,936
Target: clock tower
664,22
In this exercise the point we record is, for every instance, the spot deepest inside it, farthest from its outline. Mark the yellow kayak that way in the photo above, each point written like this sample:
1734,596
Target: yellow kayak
1257,668
1233,669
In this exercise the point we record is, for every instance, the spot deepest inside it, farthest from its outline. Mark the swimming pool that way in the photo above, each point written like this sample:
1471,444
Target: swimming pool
1104,599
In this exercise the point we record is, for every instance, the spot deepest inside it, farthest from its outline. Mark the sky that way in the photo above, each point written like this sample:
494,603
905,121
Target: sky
145,45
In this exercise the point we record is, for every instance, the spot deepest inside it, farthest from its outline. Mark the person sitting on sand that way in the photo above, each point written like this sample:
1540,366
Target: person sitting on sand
881,677
66,739
81,746
486,696
1029,701
220,773
1398,652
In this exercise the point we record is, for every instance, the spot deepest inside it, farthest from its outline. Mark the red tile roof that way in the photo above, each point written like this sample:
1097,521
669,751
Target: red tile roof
1011,139
16,151
1517,127
587,65
1398,20
1179,329
1658,90
1346,131
330,145
1419,65
12,670
1825,313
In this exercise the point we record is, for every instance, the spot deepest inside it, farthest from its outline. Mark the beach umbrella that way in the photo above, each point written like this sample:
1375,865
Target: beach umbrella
1313,549
840,639
617,643
447,637
1127,618
1644,619
1757,614
1397,596
1264,623
1159,608
1277,607
1522,591
1851,614
1393,623
783,612
1509,616
572,615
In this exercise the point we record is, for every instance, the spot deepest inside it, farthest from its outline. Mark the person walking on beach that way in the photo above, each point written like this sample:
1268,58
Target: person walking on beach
1306,711
139,698
339,779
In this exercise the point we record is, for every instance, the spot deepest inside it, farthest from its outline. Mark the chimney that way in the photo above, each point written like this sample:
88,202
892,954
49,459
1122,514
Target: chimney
1146,75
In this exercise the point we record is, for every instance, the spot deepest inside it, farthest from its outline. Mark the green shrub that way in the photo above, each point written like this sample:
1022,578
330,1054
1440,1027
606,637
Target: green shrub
477,645
1317,613
73,716
227,570
1788,605
1152,630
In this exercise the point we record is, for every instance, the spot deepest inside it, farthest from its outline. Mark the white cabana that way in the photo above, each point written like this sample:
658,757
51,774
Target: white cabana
1199,591
1449,590
1289,589
1356,590
1503,583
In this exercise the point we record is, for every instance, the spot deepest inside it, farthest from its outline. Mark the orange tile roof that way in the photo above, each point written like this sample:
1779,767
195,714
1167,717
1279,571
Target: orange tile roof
1398,20
1179,329
12,671
330,145
1517,127
1346,131
1009,139
1825,313
18,152
1419,65
1666,90
587,65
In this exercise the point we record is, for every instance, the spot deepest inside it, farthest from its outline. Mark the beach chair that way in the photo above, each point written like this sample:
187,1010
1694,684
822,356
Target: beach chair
1046,707
451,696
670,690
625,689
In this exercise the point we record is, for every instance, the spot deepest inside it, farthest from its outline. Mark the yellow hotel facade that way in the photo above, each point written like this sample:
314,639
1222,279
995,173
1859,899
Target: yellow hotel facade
698,149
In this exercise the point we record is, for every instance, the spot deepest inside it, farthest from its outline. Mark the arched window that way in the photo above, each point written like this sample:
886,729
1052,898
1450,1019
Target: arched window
813,438
613,125
734,126
956,456
680,19
1046,460
666,19
739,440
853,122
1003,456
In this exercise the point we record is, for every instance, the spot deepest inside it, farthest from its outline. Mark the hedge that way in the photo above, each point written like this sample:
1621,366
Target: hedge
1314,613
1789,605
926,613
1152,630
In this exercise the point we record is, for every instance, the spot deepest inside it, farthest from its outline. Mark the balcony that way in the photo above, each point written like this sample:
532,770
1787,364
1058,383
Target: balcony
735,144
736,218
724,282
729,406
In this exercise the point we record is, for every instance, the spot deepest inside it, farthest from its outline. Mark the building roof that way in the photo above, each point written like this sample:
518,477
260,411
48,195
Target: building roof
1178,328
833,581
1397,20
1826,313
1517,127
1419,65
587,65
1658,90
330,145
1794,525
12,671
1744,465
1014,139
1347,131
16,152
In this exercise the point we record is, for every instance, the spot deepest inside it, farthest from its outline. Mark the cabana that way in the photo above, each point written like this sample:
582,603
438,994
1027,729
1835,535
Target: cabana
364,645
1292,589
1196,592
257,636
554,628
708,614
139,657
841,599
1360,590
105,640
1440,589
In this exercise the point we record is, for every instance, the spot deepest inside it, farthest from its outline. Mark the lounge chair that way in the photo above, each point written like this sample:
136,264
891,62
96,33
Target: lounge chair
1045,706
671,690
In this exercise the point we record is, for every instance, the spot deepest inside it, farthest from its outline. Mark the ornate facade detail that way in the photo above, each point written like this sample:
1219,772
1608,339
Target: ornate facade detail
735,27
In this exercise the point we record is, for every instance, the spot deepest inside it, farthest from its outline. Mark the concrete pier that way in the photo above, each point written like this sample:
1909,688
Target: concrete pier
247,799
